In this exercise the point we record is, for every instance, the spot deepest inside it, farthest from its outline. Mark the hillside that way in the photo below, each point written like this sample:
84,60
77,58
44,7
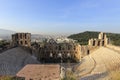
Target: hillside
6,34
83,38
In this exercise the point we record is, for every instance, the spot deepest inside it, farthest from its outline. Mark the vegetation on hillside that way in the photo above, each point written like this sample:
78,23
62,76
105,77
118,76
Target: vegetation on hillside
83,38
114,38
3,43
10,78
69,76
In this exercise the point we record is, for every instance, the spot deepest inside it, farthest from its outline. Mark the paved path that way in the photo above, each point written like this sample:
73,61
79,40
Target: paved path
105,60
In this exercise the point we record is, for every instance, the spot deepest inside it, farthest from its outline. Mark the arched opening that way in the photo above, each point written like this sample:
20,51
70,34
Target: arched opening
25,42
59,57
20,36
21,42
102,43
98,43
88,52
59,47
94,43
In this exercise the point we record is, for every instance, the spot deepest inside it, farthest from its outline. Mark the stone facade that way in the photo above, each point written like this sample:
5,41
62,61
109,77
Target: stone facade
101,41
86,50
57,51
21,39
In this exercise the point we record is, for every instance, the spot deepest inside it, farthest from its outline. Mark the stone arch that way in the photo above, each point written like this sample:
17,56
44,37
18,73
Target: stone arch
93,42
98,43
88,52
103,43
21,42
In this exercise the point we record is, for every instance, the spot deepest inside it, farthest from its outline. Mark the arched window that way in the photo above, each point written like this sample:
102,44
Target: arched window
21,42
102,43
74,47
94,43
59,47
51,55
25,42
20,36
98,43
25,36
59,55
69,47
68,55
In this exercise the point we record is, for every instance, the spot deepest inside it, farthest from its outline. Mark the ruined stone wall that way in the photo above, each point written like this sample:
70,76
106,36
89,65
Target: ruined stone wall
86,50
21,39
101,41
94,43
61,50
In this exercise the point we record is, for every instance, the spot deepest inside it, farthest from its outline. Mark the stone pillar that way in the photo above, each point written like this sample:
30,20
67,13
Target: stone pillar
101,42
90,42
105,41
96,42
99,36
78,52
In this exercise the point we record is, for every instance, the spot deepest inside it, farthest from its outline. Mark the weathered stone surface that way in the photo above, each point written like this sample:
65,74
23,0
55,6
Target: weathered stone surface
11,61
101,41
99,64
22,39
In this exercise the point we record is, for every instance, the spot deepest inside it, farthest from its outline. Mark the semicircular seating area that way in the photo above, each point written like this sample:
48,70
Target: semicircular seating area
11,61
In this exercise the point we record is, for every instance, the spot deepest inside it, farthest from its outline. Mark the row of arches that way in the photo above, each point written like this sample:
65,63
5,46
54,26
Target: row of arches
60,47
98,43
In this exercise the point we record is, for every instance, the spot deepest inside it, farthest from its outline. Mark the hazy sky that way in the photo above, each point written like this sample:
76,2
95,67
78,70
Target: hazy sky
60,16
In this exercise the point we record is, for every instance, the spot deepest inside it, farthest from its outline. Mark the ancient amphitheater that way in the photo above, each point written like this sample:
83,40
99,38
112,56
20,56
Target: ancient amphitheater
100,64
11,61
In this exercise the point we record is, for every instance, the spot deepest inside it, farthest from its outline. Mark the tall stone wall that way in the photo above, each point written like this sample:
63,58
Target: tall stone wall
21,39
56,51
101,41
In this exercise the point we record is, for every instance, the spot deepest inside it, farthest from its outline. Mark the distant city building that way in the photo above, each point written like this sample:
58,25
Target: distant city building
101,41
62,40
55,51
40,72
22,39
